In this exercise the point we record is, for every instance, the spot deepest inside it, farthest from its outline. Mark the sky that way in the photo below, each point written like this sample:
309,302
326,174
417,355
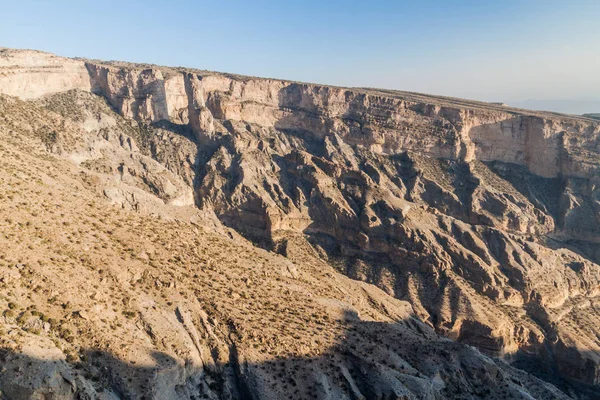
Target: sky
541,54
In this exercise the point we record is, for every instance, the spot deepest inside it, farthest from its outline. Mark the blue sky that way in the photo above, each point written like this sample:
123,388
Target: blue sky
522,52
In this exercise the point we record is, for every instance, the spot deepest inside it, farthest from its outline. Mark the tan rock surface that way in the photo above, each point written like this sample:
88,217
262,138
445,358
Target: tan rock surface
482,220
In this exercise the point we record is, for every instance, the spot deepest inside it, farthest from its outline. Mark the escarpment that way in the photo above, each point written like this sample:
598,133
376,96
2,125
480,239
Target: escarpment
483,218
384,122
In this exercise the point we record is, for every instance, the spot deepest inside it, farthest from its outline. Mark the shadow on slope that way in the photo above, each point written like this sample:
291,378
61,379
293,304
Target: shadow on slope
370,360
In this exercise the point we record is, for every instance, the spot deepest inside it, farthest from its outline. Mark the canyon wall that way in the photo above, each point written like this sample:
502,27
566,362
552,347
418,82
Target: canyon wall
486,218
385,122
32,74
382,124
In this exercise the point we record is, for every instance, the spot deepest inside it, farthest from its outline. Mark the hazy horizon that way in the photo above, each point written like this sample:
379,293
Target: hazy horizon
533,54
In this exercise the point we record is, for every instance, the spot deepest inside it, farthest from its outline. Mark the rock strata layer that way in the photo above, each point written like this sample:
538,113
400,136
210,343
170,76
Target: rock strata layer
484,218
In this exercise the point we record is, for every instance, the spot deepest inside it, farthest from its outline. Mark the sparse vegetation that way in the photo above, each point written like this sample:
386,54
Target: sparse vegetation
101,274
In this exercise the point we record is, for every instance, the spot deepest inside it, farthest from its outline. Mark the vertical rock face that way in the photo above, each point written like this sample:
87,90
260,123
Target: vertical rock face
485,218
382,124
31,74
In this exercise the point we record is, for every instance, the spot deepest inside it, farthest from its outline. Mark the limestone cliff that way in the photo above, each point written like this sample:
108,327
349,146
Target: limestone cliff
31,74
485,218
384,122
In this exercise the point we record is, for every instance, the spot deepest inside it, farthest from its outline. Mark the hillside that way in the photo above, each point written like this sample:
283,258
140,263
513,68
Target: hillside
173,233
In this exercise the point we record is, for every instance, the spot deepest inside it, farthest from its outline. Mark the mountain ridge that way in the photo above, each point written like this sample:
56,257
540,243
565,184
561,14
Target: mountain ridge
483,220
179,69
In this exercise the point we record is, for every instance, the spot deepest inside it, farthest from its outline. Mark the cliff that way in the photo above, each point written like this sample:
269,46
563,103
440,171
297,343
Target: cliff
483,217
384,122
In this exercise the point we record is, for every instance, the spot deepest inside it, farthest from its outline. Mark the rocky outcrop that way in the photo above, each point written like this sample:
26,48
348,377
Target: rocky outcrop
478,256
100,302
384,122
483,217
31,74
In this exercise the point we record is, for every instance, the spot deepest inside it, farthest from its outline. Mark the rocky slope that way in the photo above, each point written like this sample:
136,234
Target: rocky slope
482,218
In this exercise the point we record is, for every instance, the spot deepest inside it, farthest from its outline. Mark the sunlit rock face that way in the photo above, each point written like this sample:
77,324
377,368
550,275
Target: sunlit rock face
32,74
485,219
